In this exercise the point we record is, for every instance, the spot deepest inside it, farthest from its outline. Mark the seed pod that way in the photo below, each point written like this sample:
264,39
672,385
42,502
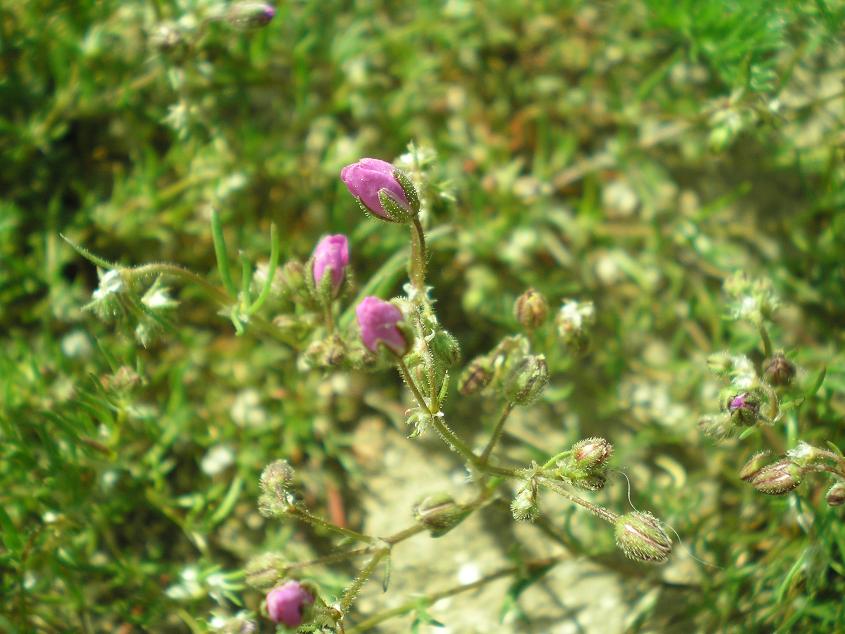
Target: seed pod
778,371
531,309
836,494
641,537
475,377
777,478
754,465
527,380
524,505
439,513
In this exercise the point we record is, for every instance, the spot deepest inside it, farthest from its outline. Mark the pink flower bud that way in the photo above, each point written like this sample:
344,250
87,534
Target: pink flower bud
286,603
369,176
332,253
377,320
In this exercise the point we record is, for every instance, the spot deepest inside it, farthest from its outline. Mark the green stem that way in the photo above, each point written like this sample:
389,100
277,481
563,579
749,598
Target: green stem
527,567
220,253
599,511
767,342
366,572
246,282
271,272
328,318
330,559
418,257
174,270
402,535
450,437
497,433
319,522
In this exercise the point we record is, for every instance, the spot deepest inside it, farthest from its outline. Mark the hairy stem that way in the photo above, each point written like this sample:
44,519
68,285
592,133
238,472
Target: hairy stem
527,567
599,511
315,520
366,572
497,433
767,342
418,257
450,437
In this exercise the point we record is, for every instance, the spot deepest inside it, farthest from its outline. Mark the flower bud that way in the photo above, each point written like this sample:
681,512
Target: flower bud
531,309
716,426
439,513
524,505
744,408
276,482
444,348
378,321
754,464
265,571
294,283
778,371
247,16
378,188
720,363
836,494
586,464
330,259
777,478
641,537
289,603
475,377
527,379
591,454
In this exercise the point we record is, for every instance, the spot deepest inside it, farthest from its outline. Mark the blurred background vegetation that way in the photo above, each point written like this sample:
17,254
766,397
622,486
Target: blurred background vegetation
635,154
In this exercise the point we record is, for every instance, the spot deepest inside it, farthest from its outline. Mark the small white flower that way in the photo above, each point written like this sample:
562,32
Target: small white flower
218,459
110,283
247,410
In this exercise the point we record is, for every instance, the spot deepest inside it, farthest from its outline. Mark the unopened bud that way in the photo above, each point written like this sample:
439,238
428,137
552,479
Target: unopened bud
294,281
250,15
445,349
777,478
267,570
779,371
531,309
744,408
592,453
586,464
836,494
720,363
641,537
716,426
754,465
276,482
524,505
439,513
476,376
527,379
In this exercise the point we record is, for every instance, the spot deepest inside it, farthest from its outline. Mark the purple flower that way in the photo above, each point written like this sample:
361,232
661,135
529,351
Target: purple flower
332,253
369,176
378,320
742,401
250,15
286,603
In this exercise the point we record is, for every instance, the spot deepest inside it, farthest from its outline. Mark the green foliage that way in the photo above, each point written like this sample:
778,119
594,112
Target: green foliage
634,156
